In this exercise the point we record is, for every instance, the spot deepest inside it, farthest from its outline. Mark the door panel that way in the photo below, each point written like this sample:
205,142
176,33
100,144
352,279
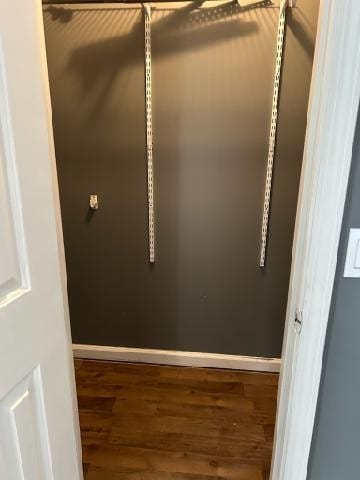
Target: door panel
13,263
23,421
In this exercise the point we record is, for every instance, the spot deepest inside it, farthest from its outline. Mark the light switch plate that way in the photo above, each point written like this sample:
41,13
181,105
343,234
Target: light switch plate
352,263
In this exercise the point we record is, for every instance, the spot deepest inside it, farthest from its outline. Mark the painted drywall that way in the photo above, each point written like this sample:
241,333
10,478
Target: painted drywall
212,92
335,445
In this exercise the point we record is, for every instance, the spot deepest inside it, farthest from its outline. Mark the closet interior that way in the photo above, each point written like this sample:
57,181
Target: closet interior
179,132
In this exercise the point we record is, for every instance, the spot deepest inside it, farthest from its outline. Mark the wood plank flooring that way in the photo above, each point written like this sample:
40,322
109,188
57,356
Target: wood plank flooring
148,422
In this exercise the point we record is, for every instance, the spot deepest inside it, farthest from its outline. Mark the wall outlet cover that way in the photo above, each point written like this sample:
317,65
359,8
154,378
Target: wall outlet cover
352,263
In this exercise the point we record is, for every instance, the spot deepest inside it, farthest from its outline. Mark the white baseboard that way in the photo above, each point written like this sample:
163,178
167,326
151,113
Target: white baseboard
173,357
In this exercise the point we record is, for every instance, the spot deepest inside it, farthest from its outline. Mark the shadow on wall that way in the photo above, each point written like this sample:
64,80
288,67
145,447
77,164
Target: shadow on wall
64,15
302,36
99,63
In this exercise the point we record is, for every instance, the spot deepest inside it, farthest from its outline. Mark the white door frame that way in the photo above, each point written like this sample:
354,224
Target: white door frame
334,101
333,107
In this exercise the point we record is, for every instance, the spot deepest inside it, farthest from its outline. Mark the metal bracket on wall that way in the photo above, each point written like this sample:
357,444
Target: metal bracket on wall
94,202
149,130
273,127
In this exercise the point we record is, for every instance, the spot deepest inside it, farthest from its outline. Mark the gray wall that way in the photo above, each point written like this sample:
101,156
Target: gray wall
335,446
212,86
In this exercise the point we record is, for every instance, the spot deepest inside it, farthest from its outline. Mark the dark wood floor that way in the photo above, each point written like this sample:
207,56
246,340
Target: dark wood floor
145,422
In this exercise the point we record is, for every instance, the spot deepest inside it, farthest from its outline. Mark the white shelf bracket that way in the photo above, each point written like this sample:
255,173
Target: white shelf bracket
273,130
149,131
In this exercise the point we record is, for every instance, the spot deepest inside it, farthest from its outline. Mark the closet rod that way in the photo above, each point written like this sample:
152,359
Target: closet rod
84,2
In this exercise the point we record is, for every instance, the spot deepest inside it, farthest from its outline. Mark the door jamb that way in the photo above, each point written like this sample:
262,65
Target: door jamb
332,113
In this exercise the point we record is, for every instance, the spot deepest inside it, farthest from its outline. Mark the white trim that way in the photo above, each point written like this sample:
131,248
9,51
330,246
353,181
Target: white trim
174,357
334,101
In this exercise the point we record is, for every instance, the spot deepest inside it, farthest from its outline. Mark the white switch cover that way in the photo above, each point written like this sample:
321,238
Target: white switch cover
352,263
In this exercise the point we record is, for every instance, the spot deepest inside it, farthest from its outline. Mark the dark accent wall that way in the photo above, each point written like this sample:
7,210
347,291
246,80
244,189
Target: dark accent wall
335,445
212,87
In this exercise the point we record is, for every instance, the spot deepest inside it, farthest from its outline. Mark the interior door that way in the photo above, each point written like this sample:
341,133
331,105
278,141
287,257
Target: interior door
38,418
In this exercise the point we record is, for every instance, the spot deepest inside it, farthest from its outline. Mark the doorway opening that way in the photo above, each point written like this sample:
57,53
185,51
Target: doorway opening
205,302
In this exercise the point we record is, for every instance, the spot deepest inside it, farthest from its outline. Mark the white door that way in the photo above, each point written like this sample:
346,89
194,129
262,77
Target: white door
38,415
